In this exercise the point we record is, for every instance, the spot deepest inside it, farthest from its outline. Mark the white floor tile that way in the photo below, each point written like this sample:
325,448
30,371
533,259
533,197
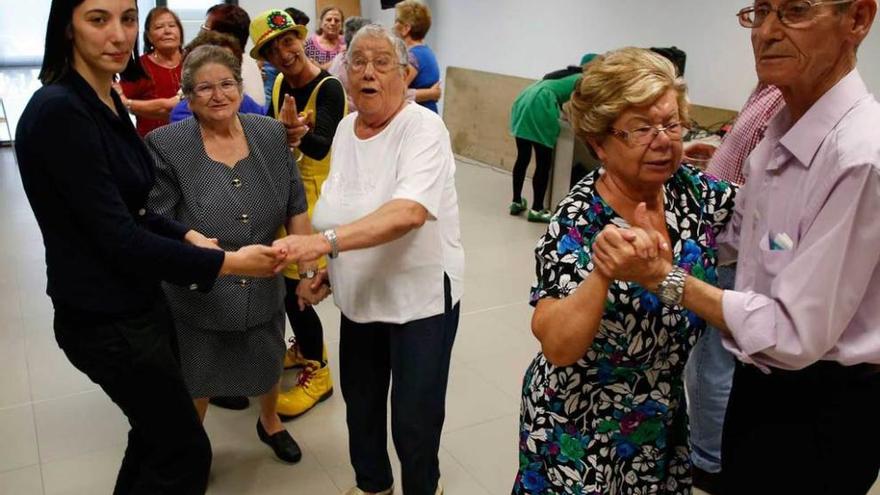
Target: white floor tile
79,424
18,447
24,481
14,382
471,446
85,474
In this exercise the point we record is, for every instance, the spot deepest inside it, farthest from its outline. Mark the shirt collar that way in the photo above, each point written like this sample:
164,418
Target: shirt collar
88,94
804,138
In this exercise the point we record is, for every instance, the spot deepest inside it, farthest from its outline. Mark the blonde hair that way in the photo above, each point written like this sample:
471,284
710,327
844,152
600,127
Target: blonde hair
618,80
415,14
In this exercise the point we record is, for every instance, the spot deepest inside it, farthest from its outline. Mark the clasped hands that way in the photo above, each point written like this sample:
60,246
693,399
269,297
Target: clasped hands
637,254
258,260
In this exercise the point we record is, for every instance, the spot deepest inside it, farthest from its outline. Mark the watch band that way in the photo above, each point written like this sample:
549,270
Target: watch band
671,289
307,274
330,235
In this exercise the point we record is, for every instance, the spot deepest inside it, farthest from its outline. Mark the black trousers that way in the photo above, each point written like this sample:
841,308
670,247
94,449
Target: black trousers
543,159
416,354
305,323
812,431
135,361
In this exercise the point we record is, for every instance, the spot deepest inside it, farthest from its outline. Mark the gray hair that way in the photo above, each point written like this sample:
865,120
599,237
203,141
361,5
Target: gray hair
202,56
352,25
377,31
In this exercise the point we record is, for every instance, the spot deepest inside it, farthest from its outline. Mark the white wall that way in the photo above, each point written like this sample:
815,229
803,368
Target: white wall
528,38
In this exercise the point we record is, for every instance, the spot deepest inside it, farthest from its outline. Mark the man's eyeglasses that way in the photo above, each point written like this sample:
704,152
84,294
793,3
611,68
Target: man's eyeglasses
792,14
642,136
382,64
206,90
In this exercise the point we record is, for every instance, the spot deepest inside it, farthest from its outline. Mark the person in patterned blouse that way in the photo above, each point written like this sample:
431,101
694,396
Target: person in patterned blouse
603,407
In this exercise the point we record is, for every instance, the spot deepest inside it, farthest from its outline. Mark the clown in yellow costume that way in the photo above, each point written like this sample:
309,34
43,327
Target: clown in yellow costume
321,98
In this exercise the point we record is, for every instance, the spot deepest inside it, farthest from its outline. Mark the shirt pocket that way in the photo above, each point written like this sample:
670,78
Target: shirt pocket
772,261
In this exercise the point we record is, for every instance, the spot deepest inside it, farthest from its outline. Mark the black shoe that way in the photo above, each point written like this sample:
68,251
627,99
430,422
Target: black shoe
706,481
234,402
284,446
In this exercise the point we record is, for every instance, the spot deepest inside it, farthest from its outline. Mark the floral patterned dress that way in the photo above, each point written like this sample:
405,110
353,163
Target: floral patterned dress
615,422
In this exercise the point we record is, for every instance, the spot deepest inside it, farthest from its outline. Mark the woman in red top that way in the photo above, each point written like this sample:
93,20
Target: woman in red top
151,99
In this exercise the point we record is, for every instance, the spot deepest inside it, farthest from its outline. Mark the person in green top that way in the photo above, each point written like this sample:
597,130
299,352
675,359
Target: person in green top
534,123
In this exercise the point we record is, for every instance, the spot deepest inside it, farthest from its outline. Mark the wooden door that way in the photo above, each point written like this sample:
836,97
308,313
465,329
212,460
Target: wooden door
349,7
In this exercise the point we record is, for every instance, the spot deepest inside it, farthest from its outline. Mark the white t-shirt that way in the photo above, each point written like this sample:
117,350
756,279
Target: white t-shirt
411,158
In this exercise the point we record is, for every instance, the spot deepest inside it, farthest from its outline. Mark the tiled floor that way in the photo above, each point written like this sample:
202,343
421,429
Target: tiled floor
60,435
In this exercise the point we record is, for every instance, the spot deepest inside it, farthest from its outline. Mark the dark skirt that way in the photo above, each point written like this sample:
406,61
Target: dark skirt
218,363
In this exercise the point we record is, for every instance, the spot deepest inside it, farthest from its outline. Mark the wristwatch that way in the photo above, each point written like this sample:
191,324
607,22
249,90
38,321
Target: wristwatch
307,274
330,235
671,289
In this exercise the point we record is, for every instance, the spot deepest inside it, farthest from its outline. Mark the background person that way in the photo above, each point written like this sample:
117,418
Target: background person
152,97
534,123
412,24
106,252
327,41
389,216
232,19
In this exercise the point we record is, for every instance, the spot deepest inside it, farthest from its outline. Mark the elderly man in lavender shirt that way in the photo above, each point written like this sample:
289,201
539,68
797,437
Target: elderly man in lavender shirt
804,318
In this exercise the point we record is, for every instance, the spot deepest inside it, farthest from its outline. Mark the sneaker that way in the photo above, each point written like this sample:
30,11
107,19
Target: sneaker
542,216
517,207
294,358
358,491
313,386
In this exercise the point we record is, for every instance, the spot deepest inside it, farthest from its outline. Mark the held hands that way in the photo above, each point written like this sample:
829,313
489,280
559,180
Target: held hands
302,248
639,254
196,238
297,126
254,261
312,291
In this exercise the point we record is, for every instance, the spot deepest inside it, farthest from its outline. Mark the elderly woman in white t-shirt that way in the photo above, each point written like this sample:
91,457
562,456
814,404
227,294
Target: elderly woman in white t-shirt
396,271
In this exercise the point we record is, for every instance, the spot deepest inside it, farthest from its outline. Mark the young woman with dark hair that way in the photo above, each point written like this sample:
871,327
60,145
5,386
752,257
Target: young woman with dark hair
87,176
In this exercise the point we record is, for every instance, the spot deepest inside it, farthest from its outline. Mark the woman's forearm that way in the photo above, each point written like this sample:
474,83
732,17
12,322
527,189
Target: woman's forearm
301,225
159,108
566,327
389,222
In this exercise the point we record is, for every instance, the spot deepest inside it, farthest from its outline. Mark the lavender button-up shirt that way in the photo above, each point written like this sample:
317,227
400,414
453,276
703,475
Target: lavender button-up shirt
816,181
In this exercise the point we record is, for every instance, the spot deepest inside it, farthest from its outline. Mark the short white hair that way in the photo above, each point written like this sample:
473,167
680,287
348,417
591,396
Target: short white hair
377,31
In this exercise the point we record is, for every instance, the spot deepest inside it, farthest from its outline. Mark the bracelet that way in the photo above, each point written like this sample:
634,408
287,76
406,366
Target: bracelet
330,235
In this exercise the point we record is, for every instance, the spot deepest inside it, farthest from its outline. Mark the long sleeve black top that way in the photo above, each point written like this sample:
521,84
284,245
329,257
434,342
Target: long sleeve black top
87,176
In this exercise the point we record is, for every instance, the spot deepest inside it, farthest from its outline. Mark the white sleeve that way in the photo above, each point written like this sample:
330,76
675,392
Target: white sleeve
425,163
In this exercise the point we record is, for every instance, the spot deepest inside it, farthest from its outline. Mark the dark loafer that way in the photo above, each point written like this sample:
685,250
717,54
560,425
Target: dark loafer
234,402
284,446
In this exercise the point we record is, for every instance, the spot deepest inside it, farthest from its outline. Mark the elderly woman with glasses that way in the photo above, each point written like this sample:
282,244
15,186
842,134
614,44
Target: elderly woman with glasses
232,176
388,216
603,403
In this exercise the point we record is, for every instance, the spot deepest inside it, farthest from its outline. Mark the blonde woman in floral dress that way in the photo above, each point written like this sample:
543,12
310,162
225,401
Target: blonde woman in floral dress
603,407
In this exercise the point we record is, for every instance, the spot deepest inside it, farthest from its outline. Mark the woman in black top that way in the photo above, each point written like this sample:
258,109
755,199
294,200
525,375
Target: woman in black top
87,176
